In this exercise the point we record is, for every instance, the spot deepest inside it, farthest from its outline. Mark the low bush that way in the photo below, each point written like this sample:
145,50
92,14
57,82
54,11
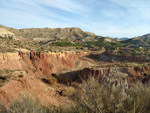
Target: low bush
20,76
25,104
99,98
50,80
62,79
67,92
5,76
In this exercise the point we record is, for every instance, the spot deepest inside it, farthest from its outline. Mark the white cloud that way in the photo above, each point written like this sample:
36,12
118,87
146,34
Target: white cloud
66,5
108,18
121,32
32,8
138,9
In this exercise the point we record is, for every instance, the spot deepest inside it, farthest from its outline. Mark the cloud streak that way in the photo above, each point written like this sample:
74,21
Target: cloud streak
115,18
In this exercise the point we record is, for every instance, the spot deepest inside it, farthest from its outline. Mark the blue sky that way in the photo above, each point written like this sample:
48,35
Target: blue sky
114,18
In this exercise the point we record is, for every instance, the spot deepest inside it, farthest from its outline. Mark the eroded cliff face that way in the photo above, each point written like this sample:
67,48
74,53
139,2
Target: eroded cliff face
39,63
44,64
117,76
33,65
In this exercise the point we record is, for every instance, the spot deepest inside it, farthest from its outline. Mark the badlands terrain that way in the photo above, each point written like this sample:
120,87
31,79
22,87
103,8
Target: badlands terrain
44,70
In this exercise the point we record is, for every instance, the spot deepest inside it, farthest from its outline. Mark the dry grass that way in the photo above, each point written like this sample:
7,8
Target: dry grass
101,99
5,75
92,98
68,92
50,80
25,104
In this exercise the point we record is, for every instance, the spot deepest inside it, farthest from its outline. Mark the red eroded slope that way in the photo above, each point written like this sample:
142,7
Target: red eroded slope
10,61
39,64
43,64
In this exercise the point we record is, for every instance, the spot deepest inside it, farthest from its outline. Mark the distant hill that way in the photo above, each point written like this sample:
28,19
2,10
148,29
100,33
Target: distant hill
140,41
69,34
124,38
51,34
4,32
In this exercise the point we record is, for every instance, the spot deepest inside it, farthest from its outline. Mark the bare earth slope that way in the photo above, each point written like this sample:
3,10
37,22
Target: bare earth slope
33,66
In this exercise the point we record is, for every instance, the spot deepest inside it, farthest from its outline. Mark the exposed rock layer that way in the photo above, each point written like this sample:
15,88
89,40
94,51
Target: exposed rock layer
117,75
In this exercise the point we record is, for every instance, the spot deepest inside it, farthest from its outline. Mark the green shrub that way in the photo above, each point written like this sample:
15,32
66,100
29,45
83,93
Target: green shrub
63,43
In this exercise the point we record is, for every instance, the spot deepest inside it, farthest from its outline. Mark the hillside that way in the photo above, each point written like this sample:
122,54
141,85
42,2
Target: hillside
124,38
64,68
52,34
140,41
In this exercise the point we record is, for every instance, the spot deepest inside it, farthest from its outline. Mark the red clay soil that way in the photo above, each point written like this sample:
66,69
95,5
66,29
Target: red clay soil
10,61
46,94
44,64
35,65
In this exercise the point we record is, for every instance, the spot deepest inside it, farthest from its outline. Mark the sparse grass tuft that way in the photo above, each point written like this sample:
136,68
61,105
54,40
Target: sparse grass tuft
50,80
68,92
5,75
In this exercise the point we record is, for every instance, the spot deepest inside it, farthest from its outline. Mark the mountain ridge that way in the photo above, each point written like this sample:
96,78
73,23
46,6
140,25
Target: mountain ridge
73,33
68,34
